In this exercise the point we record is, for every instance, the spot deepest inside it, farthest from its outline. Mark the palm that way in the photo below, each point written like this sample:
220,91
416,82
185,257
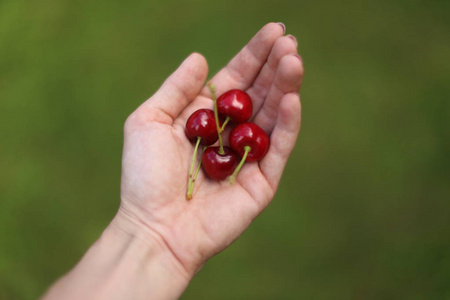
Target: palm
157,154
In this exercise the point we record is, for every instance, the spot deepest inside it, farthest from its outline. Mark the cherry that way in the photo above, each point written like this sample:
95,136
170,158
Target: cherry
249,134
235,105
219,166
200,126
250,141
247,140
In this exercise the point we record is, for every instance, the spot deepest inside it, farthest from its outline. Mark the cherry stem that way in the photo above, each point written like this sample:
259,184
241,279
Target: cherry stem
190,189
225,124
212,88
191,171
232,178
198,168
192,180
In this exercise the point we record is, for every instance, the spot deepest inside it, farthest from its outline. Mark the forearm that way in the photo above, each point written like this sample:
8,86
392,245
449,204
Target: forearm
124,263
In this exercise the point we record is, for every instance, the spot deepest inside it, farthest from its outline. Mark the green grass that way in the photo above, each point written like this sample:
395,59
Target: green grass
362,211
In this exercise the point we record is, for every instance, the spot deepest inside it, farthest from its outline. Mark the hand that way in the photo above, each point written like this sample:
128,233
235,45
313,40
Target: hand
157,154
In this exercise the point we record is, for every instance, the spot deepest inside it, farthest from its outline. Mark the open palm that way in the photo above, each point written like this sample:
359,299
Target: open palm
157,154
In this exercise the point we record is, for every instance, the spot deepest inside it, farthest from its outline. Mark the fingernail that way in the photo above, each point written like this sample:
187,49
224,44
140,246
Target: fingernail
299,57
293,38
282,25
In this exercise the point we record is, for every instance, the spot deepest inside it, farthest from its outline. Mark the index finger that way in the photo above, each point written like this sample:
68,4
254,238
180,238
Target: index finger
242,70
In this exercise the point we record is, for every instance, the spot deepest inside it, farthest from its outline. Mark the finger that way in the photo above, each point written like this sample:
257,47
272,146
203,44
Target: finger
282,139
287,79
242,70
178,90
285,45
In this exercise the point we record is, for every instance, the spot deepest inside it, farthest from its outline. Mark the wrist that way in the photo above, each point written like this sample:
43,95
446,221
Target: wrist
146,264
126,262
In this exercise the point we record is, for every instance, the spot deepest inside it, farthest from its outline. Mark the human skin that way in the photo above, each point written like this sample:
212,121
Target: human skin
158,240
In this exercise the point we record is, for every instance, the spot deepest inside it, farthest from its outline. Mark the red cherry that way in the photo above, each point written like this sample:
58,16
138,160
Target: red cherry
201,127
249,134
219,166
235,105
201,124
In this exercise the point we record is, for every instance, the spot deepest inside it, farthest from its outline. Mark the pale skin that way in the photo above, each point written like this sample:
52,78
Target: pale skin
158,240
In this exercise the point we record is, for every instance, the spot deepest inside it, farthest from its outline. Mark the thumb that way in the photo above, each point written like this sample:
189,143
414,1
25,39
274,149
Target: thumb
180,88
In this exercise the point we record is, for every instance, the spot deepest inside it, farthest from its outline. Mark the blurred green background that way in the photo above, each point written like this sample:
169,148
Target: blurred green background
363,210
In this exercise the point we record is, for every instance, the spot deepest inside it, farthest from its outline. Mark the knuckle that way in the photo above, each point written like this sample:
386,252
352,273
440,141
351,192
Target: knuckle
135,121
129,123
143,117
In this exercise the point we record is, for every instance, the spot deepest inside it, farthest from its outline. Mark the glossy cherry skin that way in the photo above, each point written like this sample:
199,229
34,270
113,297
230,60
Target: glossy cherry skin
249,134
202,124
235,104
219,166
